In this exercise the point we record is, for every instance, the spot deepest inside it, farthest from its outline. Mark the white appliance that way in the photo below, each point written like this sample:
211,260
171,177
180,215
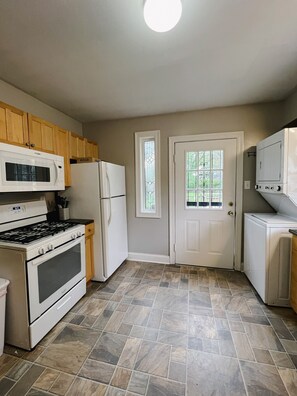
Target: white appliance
276,171
267,249
22,169
98,192
45,264
267,241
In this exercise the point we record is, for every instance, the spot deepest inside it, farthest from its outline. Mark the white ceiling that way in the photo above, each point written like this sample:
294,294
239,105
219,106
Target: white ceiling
96,59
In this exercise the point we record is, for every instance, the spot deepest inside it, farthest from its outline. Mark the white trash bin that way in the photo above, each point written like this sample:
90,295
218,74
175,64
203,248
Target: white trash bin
3,290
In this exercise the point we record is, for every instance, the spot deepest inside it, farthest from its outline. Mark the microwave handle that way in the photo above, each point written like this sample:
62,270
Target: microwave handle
57,171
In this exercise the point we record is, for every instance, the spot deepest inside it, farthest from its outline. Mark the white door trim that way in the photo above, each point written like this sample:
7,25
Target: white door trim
239,136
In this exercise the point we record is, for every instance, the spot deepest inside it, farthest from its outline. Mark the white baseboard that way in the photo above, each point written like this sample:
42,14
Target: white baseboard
149,258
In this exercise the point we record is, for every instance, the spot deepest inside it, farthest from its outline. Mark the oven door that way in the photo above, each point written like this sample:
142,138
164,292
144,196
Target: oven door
52,275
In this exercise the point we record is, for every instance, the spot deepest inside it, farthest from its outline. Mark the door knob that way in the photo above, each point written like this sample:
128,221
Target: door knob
230,213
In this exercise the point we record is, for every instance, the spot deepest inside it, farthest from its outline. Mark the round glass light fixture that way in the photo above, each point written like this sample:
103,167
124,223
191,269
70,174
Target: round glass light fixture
162,15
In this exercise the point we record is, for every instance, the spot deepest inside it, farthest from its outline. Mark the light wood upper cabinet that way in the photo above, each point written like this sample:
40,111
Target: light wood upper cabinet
77,146
13,125
81,147
62,147
22,129
41,134
3,124
92,149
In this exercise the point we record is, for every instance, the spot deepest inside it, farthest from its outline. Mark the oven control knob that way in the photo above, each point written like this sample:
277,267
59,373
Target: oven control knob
78,234
73,236
41,251
50,247
278,188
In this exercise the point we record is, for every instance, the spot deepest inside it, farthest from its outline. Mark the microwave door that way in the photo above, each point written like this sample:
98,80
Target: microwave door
35,175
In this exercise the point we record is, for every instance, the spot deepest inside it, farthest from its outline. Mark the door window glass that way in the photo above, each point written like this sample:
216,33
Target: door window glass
204,179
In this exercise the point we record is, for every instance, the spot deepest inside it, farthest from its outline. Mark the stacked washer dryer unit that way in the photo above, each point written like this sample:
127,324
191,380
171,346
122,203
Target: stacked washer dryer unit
267,241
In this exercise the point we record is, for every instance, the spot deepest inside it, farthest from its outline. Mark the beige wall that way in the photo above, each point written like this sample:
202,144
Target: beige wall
290,108
116,144
21,100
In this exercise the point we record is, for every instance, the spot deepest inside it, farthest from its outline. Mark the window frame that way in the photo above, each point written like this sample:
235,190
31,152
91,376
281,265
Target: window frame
140,139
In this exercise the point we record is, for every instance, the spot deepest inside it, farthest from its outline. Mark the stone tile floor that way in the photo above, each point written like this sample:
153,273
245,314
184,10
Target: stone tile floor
162,330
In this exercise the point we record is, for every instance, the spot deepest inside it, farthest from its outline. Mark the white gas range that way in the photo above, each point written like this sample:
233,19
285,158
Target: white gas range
45,264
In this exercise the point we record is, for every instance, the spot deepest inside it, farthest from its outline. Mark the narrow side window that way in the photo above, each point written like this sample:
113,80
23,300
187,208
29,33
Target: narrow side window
147,172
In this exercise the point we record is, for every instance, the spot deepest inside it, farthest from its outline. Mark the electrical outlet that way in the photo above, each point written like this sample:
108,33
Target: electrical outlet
247,184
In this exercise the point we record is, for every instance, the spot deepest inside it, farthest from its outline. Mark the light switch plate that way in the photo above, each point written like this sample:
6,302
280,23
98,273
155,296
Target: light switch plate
247,184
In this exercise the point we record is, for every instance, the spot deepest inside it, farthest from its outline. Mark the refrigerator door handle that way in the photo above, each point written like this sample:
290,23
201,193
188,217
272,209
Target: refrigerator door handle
109,217
109,198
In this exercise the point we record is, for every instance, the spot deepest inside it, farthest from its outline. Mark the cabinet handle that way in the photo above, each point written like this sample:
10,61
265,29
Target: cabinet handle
28,144
32,145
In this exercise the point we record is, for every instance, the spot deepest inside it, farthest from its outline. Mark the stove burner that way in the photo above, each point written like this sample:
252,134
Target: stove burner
27,234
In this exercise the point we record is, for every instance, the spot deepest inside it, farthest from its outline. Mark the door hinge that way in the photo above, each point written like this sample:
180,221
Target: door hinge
174,247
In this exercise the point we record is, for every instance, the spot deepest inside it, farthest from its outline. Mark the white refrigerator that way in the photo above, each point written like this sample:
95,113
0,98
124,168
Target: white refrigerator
98,192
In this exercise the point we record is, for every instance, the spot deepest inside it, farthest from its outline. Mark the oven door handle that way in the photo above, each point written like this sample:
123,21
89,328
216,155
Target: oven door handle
53,253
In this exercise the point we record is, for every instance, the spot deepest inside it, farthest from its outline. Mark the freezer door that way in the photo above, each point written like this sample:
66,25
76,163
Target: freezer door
114,233
112,180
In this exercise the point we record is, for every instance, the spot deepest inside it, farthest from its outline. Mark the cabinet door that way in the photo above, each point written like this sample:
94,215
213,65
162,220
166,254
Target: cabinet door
77,146
89,148
73,145
42,134
89,232
89,258
294,280
17,126
81,147
293,293
95,151
3,123
62,147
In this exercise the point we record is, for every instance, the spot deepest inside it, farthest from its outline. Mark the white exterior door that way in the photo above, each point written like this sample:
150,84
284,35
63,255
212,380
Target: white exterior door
205,185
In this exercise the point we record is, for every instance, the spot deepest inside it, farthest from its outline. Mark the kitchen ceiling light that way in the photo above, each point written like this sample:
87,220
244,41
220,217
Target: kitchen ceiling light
162,15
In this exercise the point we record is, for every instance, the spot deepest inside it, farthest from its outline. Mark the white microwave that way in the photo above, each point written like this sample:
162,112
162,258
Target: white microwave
22,169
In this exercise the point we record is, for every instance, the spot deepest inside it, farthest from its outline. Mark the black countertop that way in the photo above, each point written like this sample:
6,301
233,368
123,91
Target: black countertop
293,231
81,221
54,216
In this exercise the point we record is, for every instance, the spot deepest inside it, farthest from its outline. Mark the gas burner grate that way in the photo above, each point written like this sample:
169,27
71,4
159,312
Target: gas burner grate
28,234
